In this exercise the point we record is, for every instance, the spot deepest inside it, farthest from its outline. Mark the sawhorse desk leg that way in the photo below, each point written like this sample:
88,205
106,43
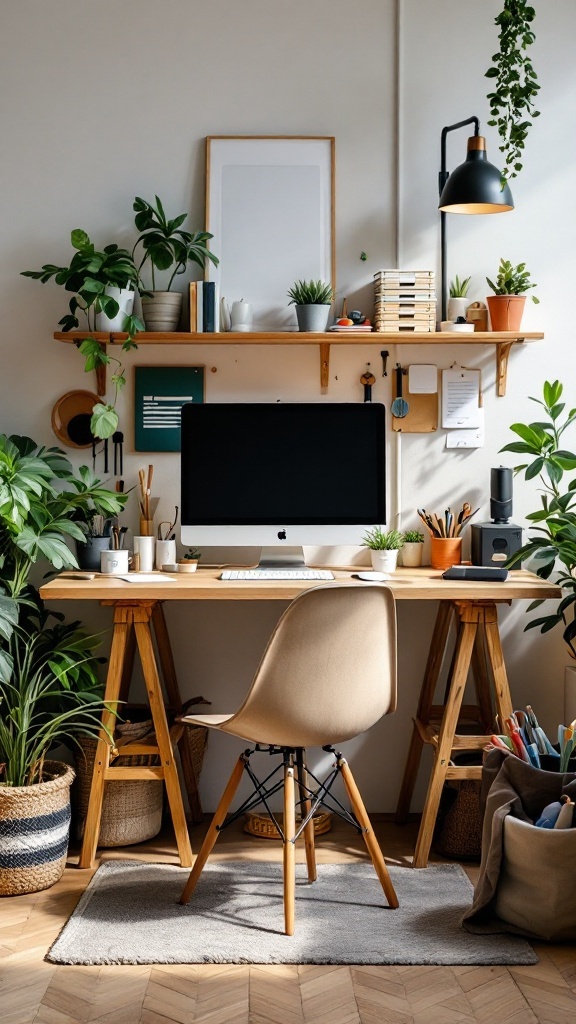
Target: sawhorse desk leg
132,623
476,620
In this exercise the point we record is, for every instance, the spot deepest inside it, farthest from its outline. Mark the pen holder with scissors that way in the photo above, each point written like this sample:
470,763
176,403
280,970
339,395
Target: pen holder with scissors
445,551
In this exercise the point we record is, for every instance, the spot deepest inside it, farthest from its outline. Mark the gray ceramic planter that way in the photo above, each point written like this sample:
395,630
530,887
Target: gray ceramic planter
312,317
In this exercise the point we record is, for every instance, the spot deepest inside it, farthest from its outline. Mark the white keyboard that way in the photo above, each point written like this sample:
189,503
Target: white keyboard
277,574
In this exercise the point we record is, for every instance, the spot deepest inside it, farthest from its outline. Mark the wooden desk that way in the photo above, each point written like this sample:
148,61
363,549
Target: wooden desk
472,607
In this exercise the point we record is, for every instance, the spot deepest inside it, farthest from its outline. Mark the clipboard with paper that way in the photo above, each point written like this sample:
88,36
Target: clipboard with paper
461,398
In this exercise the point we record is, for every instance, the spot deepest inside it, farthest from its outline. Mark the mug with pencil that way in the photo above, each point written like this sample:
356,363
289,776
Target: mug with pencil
446,534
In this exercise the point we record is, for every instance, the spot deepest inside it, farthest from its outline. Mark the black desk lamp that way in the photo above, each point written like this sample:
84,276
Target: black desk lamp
474,187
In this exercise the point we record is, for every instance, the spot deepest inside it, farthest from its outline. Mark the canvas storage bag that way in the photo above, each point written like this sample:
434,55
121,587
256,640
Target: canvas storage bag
526,882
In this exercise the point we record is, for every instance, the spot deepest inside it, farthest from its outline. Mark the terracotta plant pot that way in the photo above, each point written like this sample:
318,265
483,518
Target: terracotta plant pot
506,311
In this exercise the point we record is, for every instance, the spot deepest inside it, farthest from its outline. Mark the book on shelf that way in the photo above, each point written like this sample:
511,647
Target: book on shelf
400,326
351,327
405,307
404,296
204,307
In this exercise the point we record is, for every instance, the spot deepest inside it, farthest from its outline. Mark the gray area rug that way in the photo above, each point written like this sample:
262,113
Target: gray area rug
130,914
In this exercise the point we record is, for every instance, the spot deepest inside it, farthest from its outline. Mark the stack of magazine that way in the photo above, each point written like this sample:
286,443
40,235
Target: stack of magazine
404,300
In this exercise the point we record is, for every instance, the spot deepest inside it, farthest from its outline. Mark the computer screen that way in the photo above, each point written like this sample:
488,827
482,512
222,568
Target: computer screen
294,473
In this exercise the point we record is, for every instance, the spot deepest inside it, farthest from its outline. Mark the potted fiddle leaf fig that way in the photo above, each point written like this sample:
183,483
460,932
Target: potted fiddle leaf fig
553,543
166,247
103,285
312,300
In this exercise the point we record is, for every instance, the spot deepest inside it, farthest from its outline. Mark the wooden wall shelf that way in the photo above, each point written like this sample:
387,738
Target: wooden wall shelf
503,341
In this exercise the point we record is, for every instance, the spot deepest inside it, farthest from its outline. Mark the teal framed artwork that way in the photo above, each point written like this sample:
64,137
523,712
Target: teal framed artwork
160,392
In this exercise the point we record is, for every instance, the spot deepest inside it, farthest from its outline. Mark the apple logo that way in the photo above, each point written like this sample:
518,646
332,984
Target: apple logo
281,534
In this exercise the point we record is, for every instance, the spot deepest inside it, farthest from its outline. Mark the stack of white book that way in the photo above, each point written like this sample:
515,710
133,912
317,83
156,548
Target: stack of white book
404,300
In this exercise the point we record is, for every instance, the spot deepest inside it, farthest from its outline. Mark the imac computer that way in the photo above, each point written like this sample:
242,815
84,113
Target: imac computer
281,475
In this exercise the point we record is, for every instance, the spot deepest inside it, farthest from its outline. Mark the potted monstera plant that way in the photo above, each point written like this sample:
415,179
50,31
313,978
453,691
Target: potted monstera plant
49,688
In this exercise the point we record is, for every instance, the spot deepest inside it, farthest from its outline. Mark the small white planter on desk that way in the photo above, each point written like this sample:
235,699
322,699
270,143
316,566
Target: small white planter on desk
412,553
384,561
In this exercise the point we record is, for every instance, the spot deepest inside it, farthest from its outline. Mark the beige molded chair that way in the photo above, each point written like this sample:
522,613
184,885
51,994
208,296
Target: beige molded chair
327,674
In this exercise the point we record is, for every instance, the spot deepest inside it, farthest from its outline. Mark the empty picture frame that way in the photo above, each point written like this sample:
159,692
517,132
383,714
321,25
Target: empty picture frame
270,207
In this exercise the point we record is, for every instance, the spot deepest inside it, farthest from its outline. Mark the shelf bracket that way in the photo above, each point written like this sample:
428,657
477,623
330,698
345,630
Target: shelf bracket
324,366
502,355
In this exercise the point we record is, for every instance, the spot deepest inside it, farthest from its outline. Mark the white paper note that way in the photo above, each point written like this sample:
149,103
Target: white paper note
422,379
460,398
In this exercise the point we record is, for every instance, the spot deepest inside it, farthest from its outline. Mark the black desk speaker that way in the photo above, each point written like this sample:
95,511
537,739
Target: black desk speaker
494,543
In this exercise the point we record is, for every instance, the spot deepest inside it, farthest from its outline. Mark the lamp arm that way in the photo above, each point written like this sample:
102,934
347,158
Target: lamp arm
442,179
443,175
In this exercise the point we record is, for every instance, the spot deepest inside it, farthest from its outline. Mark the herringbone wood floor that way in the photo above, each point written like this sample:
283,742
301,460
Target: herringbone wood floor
35,992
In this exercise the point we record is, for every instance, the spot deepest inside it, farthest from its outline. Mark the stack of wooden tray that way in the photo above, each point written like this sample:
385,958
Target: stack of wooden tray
404,300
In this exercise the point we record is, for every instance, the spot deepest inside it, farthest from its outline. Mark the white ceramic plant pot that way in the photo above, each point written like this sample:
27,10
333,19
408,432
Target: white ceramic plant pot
162,311
412,553
457,306
125,299
384,561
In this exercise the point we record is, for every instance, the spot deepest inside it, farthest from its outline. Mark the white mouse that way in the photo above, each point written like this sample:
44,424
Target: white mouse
373,577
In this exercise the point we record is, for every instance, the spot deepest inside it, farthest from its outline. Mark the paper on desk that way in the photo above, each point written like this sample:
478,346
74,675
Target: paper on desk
144,577
460,398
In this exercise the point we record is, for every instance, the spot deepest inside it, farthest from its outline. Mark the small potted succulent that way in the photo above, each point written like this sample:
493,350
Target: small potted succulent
166,247
384,548
458,301
506,306
189,561
412,548
312,300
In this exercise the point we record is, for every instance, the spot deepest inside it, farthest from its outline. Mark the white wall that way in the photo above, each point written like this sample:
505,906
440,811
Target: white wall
101,102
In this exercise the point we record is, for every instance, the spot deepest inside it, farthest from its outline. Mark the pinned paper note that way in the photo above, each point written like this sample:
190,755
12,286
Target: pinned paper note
422,379
461,398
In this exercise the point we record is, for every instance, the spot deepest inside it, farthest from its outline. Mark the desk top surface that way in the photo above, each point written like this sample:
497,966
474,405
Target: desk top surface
423,584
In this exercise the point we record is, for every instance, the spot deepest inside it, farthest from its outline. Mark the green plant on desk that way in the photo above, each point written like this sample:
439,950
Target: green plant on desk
377,539
166,246
554,524
192,555
413,537
459,287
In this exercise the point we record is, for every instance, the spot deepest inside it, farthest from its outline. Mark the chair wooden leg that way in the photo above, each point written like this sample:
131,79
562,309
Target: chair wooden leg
212,833
305,804
289,848
368,833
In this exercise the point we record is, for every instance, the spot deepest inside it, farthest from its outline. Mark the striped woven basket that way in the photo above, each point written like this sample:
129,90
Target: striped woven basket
34,829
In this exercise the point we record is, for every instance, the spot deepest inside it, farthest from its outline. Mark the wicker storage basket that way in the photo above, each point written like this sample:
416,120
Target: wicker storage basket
131,810
34,827
262,826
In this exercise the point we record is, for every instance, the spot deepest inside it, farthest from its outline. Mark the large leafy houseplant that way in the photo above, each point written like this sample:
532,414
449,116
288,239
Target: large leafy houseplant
49,691
88,275
515,83
553,545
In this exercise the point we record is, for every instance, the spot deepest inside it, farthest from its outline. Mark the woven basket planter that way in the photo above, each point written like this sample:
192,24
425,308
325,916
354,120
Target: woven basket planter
262,826
131,809
34,829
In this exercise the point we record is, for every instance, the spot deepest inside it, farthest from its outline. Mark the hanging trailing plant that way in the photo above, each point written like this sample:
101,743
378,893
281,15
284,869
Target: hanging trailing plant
515,83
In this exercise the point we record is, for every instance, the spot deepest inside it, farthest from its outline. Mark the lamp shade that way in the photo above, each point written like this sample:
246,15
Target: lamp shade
475,186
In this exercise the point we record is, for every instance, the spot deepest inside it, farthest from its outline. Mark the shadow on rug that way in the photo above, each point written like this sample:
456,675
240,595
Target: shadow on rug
130,914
